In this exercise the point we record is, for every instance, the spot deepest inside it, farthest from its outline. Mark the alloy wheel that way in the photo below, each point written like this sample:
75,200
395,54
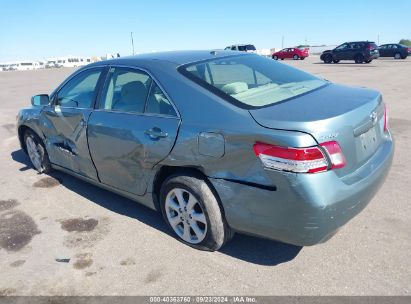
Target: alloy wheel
186,216
34,153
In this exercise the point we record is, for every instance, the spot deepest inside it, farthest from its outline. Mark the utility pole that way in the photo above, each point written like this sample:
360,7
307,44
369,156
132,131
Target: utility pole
132,42
378,39
282,42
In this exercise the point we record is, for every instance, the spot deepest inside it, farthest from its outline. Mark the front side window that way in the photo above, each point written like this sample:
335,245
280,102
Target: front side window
251,81
80,91
342,46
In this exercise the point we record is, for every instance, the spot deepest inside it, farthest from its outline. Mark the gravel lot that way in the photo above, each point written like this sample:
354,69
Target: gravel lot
108,245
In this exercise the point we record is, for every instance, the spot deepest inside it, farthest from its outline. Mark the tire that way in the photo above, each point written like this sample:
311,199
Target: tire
275,57
359,59
302,58
282,58
336,61
328,59
37,152
397,56
296,57
192,212
368,61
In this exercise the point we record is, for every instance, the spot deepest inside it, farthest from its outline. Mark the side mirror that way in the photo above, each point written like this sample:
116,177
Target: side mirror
40,100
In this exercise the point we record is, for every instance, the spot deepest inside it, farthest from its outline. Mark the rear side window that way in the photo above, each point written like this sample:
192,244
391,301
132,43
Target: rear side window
126,90
158,103
251,81
131,90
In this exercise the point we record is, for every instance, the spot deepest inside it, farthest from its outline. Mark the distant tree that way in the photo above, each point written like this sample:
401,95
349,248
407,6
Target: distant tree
406,42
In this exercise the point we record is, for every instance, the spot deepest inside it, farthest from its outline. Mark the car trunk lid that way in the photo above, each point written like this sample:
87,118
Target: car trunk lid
354,117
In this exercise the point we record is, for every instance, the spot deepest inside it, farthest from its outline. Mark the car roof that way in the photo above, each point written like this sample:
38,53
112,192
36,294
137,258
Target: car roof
176,57
360,42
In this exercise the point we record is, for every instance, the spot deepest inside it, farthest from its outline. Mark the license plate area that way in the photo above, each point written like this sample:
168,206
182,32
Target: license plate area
368,143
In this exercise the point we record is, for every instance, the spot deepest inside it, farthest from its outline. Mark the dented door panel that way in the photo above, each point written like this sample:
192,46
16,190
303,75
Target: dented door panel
65,130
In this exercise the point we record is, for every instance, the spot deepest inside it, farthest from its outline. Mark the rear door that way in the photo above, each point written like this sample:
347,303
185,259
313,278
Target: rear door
134,128
65,122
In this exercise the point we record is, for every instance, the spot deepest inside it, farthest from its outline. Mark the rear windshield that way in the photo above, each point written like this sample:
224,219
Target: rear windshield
251,81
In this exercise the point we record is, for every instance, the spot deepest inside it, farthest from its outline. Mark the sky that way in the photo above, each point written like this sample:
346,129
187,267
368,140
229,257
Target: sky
39,29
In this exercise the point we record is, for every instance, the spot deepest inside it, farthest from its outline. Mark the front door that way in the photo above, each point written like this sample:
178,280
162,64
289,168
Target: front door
64,123
134,128
339,52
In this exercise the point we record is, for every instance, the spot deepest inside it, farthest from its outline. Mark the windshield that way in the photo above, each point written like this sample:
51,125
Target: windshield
251,81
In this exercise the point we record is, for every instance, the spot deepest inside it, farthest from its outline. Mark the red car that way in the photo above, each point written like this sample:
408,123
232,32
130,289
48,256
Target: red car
294,53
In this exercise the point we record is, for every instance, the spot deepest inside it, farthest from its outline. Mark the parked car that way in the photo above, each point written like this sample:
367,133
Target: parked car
294,53
360,51
266,149
249,48
398,51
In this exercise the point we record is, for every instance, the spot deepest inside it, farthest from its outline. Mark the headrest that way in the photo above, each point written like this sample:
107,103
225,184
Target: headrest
234,88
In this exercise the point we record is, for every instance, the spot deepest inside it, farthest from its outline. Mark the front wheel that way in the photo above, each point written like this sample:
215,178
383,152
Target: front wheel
397,56
328,59
37,152
191,210
275,57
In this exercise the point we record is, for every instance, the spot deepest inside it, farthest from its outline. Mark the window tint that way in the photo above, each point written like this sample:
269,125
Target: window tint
126,90
80,91
341,47
253,81
158,102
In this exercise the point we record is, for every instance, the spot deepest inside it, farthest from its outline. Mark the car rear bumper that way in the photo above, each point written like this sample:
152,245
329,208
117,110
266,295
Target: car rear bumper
305,209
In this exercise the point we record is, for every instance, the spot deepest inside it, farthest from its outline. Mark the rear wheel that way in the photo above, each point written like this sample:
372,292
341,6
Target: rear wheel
37,152
302,58
336,61
296,57
359,59
368,61
397,56
275,57
191,210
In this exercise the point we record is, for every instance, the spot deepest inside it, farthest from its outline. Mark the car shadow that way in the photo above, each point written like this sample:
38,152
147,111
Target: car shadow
243,247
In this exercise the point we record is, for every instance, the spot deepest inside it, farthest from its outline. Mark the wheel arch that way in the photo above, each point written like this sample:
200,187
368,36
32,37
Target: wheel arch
166,171
20,132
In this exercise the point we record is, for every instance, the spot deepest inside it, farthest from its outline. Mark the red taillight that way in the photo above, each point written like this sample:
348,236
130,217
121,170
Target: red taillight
385,118
301,160
335,153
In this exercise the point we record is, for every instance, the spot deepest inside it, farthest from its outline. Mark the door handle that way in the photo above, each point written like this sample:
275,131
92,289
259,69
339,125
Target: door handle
155,133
